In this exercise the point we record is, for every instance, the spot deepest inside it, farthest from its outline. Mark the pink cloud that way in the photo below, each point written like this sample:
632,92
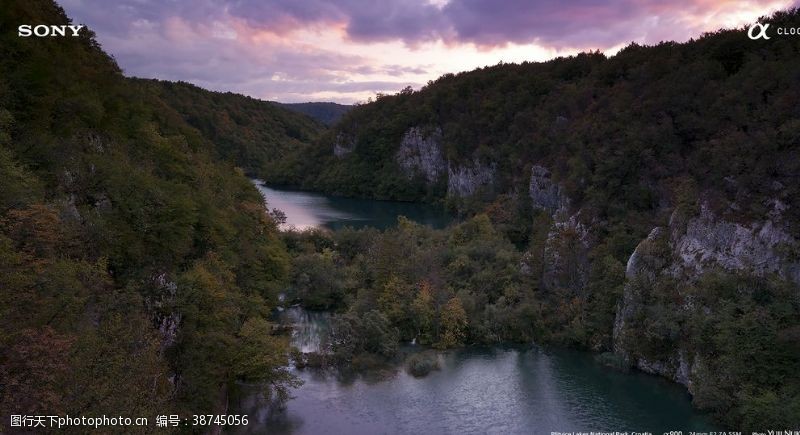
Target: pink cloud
255,46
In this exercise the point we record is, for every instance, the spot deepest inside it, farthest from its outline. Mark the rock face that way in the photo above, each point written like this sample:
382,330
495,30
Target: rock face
466,180
168,321
566,255
566,249
638,261
546,195
343,145
421,154
683,252
760,248
642,265
650,259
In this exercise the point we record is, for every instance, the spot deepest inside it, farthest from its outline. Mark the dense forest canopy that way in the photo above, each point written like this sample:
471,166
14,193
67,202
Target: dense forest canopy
325,112
137,268
251,133
611,181
620,133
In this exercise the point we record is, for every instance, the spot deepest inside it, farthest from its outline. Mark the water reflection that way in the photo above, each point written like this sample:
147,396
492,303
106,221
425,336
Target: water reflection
504,390
307,210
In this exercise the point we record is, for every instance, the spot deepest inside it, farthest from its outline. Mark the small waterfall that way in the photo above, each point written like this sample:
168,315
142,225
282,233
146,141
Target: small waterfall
309,328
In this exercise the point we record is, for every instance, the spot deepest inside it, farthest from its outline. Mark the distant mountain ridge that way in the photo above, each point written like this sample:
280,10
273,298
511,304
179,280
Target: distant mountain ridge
252,133
327,113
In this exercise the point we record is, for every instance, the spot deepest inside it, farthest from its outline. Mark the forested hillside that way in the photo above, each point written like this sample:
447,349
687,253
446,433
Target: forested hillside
652,196
136,268
643,205
619,132
253,134
324,112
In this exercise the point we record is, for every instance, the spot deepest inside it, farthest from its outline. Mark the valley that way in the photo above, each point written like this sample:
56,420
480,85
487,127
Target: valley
594,242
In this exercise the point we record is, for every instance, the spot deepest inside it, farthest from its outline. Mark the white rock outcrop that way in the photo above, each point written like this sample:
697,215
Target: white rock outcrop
421,154
760,247
685,250
566,249
466,180
544,193
343,145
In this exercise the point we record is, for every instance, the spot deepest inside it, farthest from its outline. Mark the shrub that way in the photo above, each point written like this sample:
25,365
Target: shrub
420,364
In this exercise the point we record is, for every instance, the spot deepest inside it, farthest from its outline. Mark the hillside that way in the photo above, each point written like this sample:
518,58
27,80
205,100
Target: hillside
253,134
643,206
654,194
643,116
136,268
324,112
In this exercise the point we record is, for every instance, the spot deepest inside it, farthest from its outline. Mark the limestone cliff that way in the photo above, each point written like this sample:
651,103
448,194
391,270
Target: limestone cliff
566,255
762,247
546,195
421,154
343,145
566,249
467,179
673,259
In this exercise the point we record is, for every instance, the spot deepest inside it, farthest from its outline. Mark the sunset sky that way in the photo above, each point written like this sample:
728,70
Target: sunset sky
348,50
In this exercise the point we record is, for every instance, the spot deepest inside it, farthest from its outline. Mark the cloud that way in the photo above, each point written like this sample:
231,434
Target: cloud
346,49
559,23
482,22
595,23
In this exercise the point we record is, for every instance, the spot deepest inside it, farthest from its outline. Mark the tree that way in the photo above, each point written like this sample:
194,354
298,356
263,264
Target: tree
260,358
318,280
33,371
423,310
352,335
454,324
395,302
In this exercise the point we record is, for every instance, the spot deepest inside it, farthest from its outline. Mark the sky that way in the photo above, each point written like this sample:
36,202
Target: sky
346,51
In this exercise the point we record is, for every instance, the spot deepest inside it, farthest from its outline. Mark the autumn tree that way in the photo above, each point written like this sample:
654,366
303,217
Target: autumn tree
424,311
454,324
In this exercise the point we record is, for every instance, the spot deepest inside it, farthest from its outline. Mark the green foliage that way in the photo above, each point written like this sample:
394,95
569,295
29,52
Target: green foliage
624,134
137,264
606,281
261,358
318,280
440,287
466,284
253,134
17,186
739,336
461,285
136,267
395,300
326,113
371,333
422,363
454,324
745,334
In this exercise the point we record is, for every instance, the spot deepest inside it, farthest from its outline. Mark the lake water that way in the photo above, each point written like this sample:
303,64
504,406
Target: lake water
308,209
496,390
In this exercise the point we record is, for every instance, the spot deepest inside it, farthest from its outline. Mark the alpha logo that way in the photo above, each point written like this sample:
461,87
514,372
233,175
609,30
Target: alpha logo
42,30
762,31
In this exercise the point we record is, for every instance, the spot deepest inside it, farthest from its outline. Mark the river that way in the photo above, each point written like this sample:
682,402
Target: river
502,389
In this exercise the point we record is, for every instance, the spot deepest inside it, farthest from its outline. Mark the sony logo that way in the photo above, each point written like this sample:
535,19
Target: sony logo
43,30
